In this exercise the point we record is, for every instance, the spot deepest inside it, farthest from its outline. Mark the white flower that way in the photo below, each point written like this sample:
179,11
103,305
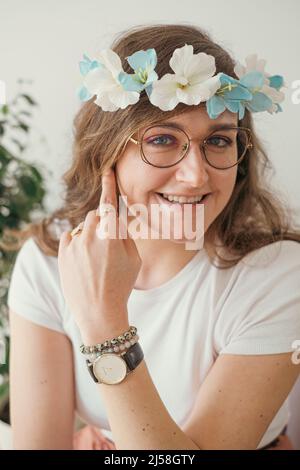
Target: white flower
252,64
258,65
192,82
103,82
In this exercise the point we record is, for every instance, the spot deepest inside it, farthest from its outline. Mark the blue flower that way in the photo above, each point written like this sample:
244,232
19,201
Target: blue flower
265,88
276,81
143,63
85,66
255,81
232,95
101,79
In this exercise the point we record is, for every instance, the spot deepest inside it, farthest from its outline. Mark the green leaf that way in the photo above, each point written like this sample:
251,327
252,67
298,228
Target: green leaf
28,185
21,147
29,99
5,109
36,174
21,125
4,390
25,113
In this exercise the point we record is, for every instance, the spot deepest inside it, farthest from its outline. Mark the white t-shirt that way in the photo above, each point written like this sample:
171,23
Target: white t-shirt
184,324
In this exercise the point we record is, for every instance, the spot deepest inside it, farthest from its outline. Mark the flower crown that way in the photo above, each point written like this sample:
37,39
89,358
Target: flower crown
192,82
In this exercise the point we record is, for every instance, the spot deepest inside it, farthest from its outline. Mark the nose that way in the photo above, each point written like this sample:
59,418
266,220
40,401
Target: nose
193,168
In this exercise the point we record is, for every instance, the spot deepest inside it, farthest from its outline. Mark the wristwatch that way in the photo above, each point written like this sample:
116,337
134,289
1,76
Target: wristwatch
112,368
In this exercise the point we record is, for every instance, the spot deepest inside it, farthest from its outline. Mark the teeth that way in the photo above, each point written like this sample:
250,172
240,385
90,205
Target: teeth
182,199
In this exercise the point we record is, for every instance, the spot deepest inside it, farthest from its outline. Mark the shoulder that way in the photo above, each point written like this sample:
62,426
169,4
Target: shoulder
268,264
31,262
273,255
262,267
31,253
259,309
34,289
274,265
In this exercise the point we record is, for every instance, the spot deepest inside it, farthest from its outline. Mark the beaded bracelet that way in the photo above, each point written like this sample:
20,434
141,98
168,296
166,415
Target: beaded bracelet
110,344
116,349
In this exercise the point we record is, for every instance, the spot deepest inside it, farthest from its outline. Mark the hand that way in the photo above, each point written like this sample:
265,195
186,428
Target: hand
91,438
98,275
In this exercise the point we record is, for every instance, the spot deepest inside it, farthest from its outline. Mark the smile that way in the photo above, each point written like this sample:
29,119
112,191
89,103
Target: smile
170,200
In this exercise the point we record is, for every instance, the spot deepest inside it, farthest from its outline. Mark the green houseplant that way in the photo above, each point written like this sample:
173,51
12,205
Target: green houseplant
22,194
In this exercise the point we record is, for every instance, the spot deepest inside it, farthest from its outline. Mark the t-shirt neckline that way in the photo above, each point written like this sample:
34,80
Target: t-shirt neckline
165,288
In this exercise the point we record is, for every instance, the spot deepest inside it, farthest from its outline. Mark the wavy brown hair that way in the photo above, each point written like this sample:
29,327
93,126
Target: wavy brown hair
254,216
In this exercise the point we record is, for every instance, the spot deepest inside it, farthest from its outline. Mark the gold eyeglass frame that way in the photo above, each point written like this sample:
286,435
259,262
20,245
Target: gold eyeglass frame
143,157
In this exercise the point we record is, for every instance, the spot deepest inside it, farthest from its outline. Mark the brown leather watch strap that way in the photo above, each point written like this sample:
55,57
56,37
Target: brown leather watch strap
133,356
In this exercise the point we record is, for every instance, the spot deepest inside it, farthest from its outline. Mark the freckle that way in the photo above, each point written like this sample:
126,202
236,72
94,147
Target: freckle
143,429
261,416
277,363
269,378
174,433
219,391
147,424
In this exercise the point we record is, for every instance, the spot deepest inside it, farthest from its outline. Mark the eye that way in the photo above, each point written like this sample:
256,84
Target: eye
161,140
219,141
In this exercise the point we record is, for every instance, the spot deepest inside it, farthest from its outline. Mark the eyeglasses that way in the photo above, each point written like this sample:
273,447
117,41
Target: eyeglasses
164,146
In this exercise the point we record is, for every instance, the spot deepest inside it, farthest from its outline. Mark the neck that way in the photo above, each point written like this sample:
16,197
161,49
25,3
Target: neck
161,260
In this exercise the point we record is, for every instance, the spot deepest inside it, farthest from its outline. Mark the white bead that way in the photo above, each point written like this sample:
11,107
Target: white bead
92,357
122,347
127,344
110,350
116,349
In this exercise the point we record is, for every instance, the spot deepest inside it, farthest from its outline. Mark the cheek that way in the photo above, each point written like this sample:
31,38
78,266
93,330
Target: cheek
224,182
137,179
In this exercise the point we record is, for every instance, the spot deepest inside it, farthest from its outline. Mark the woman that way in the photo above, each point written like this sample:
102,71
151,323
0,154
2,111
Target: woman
215,325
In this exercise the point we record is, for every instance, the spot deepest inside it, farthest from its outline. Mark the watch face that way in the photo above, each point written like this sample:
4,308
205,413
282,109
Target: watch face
110,368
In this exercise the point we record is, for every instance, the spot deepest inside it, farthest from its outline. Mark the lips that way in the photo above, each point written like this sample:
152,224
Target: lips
166,201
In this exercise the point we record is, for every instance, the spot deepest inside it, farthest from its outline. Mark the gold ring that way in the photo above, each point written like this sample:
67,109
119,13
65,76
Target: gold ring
77,229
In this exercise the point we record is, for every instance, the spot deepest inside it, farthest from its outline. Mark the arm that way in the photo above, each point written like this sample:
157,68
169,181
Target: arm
41,386
137,416
239,398
234,406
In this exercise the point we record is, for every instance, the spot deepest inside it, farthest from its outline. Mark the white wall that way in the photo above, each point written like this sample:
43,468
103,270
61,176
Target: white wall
43,40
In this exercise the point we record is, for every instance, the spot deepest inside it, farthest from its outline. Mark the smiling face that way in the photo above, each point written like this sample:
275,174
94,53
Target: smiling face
192,176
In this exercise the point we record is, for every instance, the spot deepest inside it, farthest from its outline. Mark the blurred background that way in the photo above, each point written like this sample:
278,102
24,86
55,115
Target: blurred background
41,43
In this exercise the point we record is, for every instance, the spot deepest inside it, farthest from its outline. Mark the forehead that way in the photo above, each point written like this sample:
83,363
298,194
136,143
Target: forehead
197,121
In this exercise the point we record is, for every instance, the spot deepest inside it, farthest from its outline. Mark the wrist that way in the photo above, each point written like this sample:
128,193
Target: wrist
99,334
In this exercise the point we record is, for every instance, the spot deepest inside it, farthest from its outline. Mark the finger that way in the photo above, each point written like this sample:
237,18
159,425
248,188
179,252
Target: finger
90,224
109,191
64,241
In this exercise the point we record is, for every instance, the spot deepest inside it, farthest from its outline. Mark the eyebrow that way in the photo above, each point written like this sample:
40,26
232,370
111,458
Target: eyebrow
212,127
